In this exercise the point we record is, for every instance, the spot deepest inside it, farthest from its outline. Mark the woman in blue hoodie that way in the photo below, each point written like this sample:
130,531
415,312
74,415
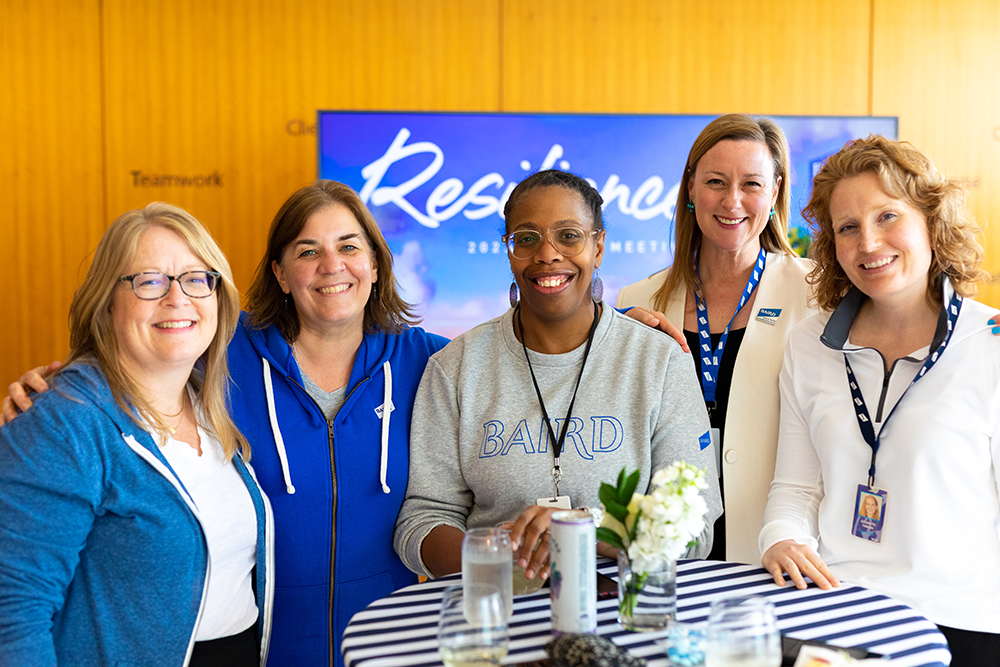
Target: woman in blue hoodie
131,530
325,368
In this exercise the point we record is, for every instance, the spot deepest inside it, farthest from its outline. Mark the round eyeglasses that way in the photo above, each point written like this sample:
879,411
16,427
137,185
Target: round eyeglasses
568,241
151,285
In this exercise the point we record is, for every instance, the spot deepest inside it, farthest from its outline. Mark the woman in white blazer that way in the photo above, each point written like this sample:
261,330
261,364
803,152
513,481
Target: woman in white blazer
732,256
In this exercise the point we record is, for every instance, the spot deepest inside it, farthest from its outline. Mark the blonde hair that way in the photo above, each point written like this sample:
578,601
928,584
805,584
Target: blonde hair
906,174
94,340
687,234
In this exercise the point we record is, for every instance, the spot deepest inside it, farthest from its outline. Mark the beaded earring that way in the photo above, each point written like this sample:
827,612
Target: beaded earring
513,294
597,286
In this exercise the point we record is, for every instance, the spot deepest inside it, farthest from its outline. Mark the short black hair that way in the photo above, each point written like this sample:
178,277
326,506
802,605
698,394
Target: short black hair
553,177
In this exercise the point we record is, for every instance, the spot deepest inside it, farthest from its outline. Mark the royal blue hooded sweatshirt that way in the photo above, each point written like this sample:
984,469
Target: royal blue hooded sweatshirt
335,487
103,560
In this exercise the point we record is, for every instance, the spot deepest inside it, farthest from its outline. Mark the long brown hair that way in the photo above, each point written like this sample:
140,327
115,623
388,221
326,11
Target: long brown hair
267,303
906,174
687,234
93,338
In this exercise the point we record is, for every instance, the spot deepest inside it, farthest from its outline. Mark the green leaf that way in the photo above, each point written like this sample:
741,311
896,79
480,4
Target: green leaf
609,496
610,536
621,479
630,483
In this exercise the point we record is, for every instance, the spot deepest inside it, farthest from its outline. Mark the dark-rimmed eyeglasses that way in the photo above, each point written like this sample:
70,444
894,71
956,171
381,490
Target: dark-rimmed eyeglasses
568,241
151,285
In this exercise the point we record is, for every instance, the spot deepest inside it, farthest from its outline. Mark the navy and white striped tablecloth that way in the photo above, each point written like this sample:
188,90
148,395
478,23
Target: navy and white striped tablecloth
401,630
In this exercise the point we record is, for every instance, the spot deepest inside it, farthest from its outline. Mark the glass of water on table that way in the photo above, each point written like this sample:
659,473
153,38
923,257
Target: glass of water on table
472,630
522,585
743,632
486,559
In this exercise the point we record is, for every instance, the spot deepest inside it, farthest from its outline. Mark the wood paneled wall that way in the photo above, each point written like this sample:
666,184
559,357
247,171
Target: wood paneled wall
105,98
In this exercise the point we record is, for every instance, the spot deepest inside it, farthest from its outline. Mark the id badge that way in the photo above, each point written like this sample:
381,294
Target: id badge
869,513
560,502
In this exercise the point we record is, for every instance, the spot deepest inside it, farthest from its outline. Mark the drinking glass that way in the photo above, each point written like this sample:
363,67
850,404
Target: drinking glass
743,632
472,630
486,559
521,584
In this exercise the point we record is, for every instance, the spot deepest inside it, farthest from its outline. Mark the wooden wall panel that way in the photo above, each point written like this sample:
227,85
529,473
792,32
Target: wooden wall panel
51,202
936,66
230,90
655,56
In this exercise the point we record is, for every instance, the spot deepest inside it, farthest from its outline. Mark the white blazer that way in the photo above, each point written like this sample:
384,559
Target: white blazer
751,433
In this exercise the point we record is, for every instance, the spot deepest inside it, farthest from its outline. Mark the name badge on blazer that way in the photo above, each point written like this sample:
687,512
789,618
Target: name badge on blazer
768,315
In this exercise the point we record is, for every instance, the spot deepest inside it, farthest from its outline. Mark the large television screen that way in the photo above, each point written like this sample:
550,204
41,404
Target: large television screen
436,184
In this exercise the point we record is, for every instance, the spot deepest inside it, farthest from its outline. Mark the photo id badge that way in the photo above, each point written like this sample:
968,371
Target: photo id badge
869,513
561,502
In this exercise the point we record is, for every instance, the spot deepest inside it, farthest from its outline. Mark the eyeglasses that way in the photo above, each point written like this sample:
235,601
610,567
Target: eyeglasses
151,285
568,241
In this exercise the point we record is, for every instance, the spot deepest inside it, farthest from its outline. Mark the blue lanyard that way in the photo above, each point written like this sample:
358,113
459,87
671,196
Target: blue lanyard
861,410
709,361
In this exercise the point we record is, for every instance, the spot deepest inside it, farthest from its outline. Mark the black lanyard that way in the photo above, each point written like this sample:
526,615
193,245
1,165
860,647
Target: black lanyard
557,445
861,410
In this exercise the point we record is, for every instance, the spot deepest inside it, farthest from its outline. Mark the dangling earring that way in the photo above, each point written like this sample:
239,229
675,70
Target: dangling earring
374,294
690,206
771,217
513,294
597,286
288,302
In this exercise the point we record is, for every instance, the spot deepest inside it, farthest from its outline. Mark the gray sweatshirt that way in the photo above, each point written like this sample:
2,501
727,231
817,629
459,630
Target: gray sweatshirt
480,453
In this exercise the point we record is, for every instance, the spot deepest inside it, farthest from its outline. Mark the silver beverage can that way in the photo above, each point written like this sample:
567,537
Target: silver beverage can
574,572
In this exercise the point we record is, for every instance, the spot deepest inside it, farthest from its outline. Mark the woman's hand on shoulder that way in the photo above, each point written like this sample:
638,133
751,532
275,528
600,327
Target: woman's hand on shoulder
657,320
994,322
529,537
798,560
17,399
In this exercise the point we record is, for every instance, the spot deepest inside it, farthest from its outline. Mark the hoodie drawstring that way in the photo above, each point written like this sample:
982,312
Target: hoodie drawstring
278,440
386,409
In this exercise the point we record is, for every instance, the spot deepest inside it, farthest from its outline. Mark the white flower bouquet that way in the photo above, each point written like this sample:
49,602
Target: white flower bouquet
653,528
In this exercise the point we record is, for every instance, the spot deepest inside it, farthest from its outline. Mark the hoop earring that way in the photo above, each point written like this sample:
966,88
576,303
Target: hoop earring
513,294
597,286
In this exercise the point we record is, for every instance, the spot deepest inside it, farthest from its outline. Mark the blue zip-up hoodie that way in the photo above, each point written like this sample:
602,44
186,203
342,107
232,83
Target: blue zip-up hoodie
103,560
336,487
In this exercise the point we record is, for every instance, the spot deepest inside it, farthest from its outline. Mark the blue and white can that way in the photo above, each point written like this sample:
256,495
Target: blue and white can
573,577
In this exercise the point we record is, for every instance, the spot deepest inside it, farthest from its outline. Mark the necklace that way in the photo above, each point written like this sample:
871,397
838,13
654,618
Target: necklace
173,429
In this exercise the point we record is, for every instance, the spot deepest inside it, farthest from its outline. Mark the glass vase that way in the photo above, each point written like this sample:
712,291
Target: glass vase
647,600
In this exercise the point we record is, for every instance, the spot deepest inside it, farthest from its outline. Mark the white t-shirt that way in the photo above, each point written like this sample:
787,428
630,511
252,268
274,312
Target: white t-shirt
230,524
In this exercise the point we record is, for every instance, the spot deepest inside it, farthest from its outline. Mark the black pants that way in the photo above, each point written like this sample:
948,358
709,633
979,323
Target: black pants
972,649
234,651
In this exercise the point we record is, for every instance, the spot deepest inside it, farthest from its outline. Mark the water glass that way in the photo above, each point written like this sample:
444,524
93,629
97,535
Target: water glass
743,632
486,559
472,630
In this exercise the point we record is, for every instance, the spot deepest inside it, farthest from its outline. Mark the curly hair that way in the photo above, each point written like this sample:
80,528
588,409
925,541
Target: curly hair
687,234
267,304
908,175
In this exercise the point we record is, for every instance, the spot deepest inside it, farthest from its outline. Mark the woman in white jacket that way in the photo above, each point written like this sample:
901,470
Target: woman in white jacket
737,287
893,393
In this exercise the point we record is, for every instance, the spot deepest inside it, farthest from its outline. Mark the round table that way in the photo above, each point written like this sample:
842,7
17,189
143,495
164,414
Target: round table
401,630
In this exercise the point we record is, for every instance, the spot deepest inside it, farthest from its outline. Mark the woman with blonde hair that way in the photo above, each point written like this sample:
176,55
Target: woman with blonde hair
737,287
125,499
893,390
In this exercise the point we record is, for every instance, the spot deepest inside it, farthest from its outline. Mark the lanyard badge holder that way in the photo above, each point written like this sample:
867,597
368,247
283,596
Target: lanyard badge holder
562,502
710,360
870,503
